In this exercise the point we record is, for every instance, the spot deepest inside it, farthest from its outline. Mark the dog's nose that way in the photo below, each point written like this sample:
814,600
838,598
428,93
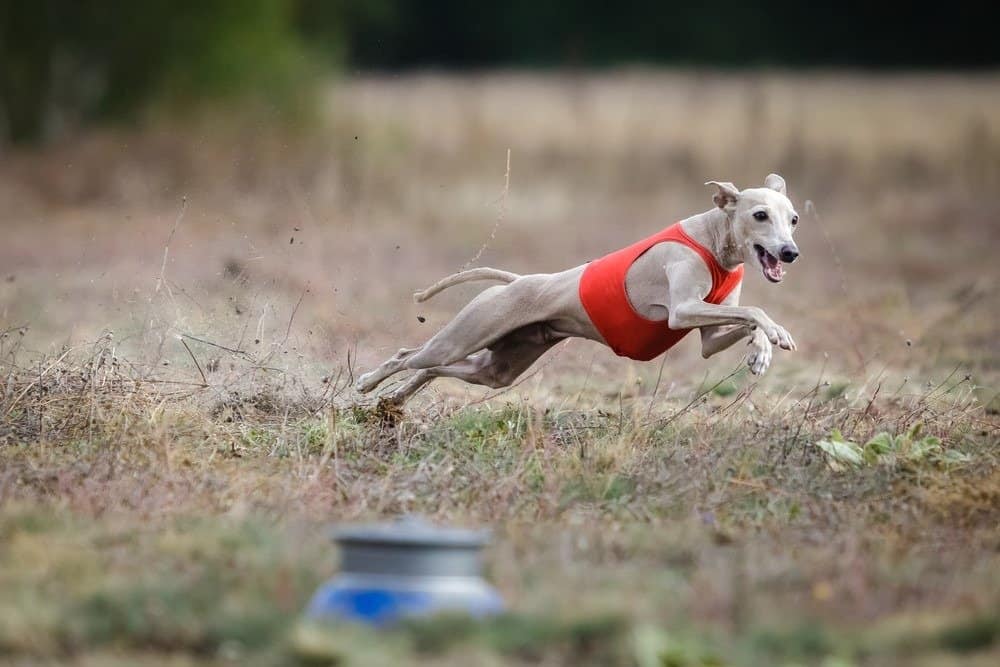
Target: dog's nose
789,253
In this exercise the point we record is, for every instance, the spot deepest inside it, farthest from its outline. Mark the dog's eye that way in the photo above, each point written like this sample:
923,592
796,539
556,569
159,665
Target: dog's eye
760,215
795,220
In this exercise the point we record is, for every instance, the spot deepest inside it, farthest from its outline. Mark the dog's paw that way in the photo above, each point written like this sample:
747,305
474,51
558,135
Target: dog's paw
365,383
785,340
778,335
759,356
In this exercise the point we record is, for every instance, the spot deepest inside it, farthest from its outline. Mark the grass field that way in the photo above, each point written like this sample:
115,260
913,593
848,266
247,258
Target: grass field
184,304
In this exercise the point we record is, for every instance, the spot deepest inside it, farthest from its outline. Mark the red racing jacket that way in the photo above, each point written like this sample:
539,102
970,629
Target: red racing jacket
602,291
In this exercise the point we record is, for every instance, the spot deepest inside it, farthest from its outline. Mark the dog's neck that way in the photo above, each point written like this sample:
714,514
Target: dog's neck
714,230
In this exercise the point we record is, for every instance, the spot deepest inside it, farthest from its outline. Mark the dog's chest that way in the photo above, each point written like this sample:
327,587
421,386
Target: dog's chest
646,282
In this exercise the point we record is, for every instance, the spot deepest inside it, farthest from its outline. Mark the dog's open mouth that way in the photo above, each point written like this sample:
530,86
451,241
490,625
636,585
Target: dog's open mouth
771,265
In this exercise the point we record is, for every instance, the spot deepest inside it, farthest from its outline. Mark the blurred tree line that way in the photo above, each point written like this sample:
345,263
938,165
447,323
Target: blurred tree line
85,60
74,61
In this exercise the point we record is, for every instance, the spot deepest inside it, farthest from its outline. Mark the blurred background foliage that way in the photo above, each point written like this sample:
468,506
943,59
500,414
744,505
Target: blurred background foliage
65,63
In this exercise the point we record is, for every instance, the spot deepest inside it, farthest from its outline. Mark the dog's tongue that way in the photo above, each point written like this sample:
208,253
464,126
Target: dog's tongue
773,266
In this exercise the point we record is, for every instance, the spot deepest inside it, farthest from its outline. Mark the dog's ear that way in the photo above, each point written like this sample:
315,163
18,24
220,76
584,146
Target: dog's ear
726,196
775,182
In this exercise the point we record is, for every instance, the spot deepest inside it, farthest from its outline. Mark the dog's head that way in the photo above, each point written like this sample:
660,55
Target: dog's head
763,221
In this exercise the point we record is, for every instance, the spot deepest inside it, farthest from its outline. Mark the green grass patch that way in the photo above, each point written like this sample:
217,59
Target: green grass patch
911,446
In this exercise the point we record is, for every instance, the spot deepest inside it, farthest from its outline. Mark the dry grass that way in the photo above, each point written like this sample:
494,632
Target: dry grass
164,488
139,520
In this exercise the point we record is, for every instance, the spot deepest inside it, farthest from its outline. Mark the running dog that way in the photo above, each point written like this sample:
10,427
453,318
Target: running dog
639,301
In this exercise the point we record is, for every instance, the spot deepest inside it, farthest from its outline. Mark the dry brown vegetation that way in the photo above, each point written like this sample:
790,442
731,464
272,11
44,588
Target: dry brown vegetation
182,309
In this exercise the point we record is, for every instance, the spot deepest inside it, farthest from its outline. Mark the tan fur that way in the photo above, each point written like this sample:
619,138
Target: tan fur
505,328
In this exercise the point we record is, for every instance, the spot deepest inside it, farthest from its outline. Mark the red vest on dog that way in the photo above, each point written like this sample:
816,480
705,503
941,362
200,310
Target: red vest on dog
629,334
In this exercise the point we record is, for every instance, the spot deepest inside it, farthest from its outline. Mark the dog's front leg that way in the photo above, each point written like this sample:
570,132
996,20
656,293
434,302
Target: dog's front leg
759,356
714,339
717,339
692,313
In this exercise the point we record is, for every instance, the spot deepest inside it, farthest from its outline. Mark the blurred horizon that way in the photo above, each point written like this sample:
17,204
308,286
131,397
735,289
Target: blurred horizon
66,65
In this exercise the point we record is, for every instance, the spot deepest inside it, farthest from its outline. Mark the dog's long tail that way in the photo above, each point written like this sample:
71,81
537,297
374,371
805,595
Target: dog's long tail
483,273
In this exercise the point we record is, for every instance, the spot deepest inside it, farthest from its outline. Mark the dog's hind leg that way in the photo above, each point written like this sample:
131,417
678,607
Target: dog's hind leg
492,315
498,366
471,369
398,361
390,366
